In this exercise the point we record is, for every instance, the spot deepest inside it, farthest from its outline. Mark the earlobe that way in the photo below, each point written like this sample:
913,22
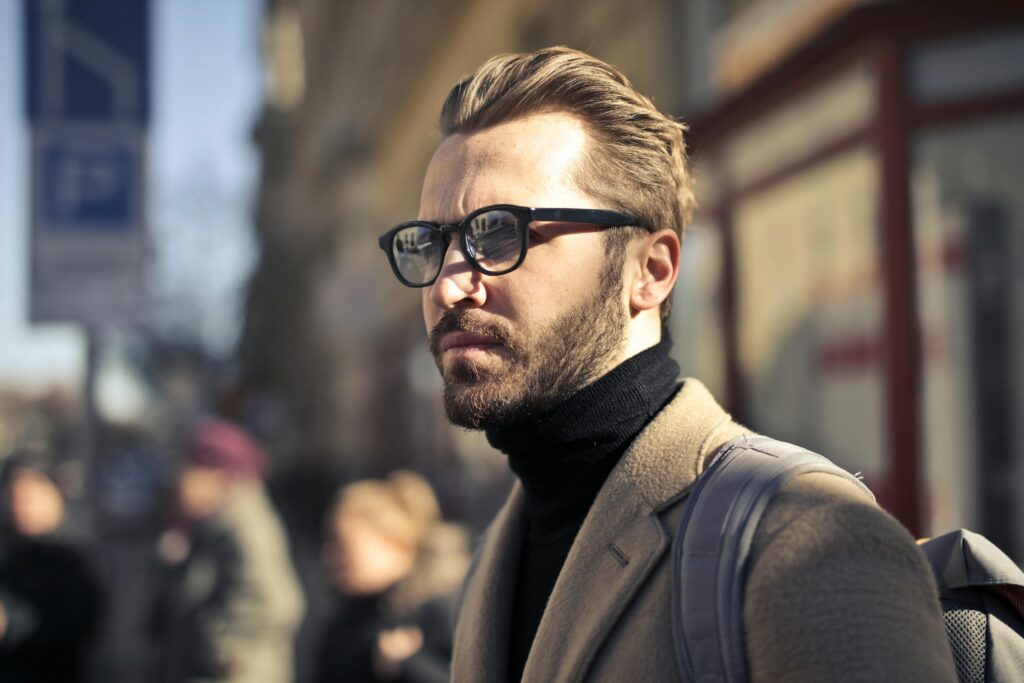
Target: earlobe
658,258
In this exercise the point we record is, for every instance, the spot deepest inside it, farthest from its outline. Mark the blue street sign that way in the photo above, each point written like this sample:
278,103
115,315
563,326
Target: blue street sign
87,60
87,99
90,186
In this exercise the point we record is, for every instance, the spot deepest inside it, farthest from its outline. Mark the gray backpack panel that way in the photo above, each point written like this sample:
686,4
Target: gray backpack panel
981,591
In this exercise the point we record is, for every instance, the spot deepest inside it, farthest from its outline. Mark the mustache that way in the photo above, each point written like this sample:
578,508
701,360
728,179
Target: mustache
461,320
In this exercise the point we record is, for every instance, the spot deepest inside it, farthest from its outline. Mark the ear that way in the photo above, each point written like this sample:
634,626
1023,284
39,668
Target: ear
657,256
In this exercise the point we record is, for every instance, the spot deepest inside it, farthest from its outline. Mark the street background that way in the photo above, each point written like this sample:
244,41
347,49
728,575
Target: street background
198,236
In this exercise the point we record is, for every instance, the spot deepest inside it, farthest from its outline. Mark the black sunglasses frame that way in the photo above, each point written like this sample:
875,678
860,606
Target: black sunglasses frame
523,215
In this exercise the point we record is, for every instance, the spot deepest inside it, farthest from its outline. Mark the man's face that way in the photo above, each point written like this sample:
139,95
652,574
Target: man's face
515,345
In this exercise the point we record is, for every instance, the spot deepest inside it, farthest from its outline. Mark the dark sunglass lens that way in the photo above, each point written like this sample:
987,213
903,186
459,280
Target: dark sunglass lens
494,240
417,251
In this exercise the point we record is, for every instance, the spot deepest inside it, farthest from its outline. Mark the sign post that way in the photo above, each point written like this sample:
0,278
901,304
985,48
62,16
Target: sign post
87,102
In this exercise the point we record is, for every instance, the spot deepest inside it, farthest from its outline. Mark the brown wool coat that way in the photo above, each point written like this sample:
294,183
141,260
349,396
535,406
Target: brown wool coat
837,591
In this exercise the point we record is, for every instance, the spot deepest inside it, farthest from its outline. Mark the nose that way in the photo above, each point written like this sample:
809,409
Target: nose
458,284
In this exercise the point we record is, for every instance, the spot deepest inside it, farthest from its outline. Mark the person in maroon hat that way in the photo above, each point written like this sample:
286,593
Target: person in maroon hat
230,602
217,455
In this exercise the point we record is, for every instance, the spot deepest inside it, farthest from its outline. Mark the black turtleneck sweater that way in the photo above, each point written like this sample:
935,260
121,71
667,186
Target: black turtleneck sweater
562,459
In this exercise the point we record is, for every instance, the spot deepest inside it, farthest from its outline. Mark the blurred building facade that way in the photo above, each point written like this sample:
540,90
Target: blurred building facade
859,183
852,281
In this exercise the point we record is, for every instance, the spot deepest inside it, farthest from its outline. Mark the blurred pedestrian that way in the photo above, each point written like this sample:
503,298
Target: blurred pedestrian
50,598
395,568
229,604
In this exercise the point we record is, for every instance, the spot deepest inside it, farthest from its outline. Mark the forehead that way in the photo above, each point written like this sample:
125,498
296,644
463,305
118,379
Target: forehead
528,161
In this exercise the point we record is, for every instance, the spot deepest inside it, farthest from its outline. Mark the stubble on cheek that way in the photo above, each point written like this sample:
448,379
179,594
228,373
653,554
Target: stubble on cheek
560,359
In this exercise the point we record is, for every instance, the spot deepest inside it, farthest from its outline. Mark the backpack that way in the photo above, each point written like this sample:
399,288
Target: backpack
981,590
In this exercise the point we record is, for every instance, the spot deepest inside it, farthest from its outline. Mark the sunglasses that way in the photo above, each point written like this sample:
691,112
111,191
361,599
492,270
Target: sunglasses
494,239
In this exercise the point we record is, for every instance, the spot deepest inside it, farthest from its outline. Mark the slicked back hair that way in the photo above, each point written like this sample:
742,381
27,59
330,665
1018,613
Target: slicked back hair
636,159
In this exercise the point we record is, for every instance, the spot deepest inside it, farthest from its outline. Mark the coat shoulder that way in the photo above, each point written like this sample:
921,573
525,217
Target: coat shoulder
837,587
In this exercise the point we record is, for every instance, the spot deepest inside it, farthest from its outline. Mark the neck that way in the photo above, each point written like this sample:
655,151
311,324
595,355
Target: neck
644,332
563,456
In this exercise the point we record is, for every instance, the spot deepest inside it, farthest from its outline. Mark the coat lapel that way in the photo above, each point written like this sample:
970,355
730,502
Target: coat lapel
623,538
482,635
615,551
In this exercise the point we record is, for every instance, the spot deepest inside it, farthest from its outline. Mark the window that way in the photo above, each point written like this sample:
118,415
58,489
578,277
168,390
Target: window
810,311
969,234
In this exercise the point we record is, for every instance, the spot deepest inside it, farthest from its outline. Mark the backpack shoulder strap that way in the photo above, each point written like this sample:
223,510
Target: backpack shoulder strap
712,546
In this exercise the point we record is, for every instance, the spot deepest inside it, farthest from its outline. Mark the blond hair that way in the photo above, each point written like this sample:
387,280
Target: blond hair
402,507
637,160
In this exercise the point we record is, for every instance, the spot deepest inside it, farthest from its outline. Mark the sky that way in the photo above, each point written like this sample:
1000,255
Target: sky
207,90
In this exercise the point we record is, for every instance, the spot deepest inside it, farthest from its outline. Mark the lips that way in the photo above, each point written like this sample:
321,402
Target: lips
468,336
462,340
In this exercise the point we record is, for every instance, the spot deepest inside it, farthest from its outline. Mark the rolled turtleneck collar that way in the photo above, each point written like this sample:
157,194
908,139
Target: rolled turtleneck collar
563,456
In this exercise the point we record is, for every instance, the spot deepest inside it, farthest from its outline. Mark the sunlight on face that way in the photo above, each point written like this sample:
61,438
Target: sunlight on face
518,343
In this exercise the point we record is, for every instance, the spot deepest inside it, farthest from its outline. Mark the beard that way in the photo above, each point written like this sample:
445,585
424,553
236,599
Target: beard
535,374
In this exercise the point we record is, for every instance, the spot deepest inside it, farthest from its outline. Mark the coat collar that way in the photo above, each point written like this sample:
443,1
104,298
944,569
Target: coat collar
619,544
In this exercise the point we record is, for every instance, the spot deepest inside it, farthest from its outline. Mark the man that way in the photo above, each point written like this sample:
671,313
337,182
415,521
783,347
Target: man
548,326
